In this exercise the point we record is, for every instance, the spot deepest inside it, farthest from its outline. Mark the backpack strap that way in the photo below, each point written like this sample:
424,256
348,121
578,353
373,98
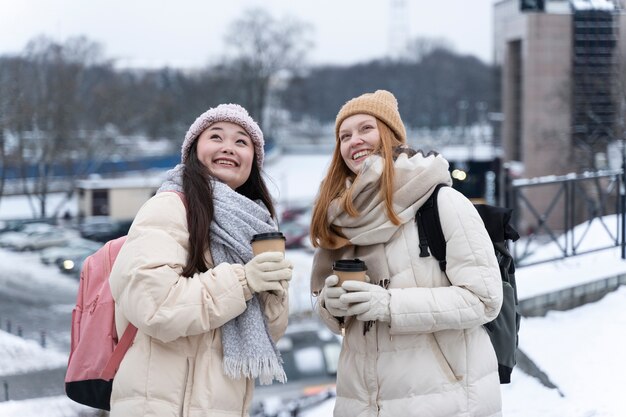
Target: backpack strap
118,353
181,195
429,229
422,235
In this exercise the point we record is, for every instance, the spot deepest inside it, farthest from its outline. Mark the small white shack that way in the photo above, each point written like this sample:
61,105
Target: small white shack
118,198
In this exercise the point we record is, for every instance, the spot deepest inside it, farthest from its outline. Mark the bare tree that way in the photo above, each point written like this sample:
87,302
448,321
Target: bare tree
49,112
15,114
6,85
260,47
420,47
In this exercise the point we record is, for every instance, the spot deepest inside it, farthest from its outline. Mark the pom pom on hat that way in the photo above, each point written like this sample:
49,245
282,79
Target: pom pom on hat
233,113
380,104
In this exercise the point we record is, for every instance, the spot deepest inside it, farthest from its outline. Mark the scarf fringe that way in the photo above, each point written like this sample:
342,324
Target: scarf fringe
266,369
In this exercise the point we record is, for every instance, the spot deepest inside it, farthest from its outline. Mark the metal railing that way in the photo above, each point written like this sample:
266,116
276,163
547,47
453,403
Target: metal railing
554,215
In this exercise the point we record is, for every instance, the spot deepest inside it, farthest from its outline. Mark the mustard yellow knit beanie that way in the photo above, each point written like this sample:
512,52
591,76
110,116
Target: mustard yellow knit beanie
381,104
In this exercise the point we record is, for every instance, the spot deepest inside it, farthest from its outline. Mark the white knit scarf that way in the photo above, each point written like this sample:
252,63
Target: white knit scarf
248,349
415,179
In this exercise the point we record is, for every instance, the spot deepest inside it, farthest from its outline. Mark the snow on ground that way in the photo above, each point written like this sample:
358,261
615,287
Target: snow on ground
544,278
18,355
299,289
24,269
54,407
296,178
582,351
18,207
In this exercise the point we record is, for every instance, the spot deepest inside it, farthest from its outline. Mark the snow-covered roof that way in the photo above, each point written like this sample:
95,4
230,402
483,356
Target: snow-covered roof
593,5
478,152
153,181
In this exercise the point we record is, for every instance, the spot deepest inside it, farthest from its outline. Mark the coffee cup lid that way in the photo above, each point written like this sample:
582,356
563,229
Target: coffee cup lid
267,236
349,265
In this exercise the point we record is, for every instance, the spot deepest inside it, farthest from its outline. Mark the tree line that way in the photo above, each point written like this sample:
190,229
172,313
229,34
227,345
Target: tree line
65,101
440,89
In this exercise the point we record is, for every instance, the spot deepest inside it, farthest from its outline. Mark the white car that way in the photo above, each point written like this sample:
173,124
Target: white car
41,240
73,249
7,238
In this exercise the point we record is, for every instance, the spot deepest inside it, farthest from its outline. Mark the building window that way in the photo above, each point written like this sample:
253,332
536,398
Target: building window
516,88
100,203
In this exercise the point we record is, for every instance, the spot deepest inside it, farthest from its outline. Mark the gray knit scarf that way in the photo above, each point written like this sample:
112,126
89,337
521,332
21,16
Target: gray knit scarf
247,346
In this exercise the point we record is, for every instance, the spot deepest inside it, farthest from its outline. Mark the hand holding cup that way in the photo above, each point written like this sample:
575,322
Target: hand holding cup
349,269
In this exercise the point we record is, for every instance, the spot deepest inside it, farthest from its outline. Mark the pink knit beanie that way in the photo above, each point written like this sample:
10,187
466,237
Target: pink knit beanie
233,113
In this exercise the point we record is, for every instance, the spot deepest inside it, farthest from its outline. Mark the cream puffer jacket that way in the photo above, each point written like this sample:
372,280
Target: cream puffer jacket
174,367
434,359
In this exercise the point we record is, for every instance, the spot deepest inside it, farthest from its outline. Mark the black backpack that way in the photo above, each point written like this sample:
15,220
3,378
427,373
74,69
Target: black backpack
504,329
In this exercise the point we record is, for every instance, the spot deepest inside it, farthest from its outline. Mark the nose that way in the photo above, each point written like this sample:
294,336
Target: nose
227,148
356,140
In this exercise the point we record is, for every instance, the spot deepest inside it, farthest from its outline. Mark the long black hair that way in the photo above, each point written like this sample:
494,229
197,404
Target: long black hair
199,197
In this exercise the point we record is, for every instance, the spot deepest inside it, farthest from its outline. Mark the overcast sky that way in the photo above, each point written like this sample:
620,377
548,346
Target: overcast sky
188,33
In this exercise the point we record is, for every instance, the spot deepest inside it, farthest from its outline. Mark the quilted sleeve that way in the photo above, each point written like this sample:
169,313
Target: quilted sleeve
475,294
320,270
147,285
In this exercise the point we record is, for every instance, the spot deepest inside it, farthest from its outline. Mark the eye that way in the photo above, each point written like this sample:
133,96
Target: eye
367,127
215,137
243,142
344,138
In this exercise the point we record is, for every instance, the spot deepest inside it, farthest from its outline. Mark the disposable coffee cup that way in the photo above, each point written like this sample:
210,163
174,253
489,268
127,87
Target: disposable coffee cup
268,242
349,269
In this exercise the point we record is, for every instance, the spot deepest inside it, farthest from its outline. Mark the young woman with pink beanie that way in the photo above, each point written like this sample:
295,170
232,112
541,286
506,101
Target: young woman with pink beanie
208,312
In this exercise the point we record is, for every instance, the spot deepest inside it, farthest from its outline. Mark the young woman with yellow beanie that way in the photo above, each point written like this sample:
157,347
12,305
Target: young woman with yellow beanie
208,312
414,344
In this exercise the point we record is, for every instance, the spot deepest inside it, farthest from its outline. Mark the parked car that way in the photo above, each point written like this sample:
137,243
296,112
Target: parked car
71,265
86,223
296,235
104,229
292,213
310,355
27,241
18,225
74,248
8,236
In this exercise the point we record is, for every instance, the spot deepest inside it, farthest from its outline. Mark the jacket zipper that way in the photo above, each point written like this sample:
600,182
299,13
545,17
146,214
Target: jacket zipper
245,400
376,370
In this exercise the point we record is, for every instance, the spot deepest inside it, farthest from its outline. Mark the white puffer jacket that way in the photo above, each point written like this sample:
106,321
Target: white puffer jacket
174,367
434,359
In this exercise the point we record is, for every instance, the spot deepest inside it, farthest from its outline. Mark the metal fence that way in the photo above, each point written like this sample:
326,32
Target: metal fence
555,214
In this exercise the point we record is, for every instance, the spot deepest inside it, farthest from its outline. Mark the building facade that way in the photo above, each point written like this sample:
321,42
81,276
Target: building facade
562,72
119,199
562,84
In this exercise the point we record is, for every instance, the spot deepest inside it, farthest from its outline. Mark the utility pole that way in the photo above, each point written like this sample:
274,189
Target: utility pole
399,28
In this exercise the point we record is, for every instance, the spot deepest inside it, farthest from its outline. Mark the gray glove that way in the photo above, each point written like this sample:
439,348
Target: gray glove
265,272
367,301
331,295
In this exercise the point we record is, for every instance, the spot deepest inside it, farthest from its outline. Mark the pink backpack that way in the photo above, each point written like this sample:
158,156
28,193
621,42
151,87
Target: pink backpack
96,352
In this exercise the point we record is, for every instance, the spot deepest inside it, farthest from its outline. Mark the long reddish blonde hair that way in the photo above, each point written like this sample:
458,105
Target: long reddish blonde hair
334,186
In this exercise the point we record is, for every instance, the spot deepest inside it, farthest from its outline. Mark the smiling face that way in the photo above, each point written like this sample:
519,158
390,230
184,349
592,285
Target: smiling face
227,151
358,138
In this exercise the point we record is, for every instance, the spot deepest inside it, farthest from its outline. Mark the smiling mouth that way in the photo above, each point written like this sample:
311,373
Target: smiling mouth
225,163
361,154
